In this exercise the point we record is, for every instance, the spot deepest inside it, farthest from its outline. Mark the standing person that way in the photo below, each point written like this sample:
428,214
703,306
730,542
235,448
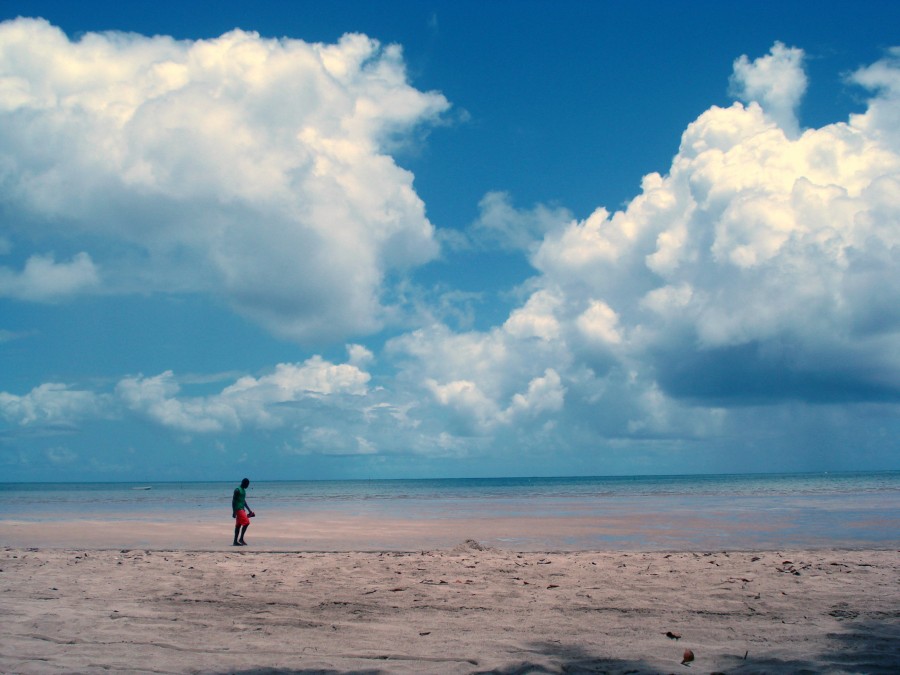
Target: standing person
240,511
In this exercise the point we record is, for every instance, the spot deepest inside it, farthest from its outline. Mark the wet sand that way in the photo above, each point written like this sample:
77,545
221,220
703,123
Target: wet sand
680,530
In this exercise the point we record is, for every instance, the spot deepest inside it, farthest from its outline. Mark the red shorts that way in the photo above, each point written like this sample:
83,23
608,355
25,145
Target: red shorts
242,518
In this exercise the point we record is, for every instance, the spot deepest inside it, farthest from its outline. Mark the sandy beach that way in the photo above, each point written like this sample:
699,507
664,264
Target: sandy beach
463,609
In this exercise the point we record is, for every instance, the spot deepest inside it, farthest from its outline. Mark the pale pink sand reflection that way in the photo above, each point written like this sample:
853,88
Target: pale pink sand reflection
340,531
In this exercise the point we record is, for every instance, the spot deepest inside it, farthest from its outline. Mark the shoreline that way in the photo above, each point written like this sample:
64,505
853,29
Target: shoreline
468,608
343,532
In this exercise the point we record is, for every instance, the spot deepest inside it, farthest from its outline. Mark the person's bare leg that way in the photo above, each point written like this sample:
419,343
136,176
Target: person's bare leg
241,541
237,531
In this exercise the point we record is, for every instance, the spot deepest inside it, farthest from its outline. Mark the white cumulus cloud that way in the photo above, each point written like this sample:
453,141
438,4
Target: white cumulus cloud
45,280
157,398
761,268
761,265
758,273
248,401
776,81
50,404
258,168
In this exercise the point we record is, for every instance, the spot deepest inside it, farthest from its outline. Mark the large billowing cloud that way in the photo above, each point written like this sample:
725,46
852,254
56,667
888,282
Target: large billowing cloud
251,167
761,269
759,273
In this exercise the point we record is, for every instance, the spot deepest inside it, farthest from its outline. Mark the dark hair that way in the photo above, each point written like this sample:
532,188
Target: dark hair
245,482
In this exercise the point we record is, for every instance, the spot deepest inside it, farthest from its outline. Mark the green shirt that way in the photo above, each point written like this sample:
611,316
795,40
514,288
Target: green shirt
239,500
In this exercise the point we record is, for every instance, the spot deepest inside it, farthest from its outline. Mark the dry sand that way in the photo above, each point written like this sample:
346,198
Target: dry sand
465,609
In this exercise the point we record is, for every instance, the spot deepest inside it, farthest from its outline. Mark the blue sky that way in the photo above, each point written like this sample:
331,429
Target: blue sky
420,239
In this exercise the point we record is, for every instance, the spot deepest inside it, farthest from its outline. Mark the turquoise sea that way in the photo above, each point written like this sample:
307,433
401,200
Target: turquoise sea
843,510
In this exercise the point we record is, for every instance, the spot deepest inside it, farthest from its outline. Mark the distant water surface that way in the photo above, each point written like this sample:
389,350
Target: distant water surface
637,512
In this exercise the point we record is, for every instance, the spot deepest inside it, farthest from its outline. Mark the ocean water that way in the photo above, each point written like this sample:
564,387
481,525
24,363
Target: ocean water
845,510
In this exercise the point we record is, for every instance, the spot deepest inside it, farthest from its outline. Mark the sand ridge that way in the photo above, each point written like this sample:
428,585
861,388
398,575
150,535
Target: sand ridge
465,609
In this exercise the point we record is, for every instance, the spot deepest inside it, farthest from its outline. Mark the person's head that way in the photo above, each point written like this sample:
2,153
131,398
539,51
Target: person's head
245,482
